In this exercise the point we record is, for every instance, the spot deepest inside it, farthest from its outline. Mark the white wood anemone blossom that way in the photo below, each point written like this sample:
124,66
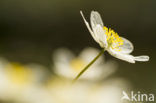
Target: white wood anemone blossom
67,64
108,39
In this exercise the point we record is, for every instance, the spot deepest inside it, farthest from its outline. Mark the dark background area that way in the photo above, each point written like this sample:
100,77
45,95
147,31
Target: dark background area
30,30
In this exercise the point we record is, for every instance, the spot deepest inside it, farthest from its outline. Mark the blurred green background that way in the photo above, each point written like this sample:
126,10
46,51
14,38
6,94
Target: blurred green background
30,30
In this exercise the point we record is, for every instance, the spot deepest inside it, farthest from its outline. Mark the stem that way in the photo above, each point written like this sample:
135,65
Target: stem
85,68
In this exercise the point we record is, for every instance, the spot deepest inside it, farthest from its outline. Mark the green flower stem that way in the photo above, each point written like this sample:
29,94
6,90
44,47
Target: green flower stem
83,70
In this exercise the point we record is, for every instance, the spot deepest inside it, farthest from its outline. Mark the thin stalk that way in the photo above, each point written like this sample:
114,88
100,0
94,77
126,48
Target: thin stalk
87,66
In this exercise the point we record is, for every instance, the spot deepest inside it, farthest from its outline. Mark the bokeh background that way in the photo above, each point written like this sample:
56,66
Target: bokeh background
30,30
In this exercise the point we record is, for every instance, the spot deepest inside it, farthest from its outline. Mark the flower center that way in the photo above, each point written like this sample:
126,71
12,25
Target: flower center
113,39
18,74
77,64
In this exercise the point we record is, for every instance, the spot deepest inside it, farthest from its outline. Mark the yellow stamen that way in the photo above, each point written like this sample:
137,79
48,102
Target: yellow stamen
113,39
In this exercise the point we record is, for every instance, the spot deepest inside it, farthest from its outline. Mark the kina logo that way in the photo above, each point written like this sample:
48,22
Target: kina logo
138,96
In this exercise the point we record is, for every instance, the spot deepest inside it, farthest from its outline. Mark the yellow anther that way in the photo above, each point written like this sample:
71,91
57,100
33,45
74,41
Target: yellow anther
113,38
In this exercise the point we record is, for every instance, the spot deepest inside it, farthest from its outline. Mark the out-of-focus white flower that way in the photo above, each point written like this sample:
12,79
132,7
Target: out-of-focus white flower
16,79
68,65
108,92
64,92
84,92
22,86
35,94
118,47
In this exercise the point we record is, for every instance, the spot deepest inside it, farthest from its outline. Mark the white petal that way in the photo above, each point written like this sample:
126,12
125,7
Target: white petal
97,27
62,55
127,57
95,19
122,56
141,58
100,35
127,46
87,24
62,58
88,54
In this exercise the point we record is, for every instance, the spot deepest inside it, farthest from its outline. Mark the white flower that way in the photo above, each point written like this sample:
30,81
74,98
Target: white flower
64,92
66,64
118,47
17,80
110,91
